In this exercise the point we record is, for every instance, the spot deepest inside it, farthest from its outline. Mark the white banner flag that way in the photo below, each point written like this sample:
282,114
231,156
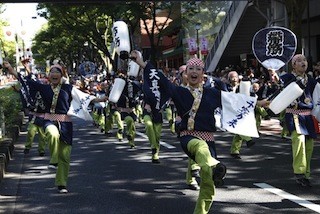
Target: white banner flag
238,114
316,102
79,104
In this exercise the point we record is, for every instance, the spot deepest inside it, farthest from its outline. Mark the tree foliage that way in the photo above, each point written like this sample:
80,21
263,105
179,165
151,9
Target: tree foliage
295,10
71,26
7,48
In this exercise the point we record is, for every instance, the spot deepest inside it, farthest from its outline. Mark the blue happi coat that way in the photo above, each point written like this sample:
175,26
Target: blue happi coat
129,97
159,88
305,122
62,107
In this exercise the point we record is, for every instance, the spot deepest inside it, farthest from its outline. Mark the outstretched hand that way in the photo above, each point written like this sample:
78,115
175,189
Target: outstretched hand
264,103
135,56
6,64
25,62
10,69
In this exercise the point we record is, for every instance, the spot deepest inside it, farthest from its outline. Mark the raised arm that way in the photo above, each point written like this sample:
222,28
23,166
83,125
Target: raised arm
136,57
11,70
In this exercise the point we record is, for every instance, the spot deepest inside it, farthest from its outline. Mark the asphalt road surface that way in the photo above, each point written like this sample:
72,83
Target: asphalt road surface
106,176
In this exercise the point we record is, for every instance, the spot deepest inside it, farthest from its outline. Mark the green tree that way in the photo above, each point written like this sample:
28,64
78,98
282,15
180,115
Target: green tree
69,28
295,10
7,48
92,23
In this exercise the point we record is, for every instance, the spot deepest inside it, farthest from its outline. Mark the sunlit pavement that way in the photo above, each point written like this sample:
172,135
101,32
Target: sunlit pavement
106,176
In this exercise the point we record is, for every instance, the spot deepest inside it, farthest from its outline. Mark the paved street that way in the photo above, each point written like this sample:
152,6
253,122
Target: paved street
107,176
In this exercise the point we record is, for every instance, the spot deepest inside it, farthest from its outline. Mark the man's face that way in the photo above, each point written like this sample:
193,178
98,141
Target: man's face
195,75
301,64
234,78
55,76
255,87
272,75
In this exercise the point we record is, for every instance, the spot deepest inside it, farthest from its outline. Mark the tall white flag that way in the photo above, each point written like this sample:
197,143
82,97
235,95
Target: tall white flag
316,102
79,104
238,114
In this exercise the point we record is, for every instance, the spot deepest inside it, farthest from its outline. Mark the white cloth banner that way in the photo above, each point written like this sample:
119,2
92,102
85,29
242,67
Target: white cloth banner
238,114
316,102
217,117
79,104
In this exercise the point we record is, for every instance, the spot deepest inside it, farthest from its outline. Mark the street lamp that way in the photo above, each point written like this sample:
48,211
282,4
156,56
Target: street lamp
198,26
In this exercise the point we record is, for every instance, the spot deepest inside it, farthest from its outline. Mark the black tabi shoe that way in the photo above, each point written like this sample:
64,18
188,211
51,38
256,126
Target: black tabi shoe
62,189
195,173
218,174
236,156
304,182
53,166
193,186
132,146
250,143
157,161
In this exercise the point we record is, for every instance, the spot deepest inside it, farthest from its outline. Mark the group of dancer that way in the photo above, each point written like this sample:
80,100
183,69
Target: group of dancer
194,104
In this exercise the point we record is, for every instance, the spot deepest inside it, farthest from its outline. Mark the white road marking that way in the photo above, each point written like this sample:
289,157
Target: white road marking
168,146
291,197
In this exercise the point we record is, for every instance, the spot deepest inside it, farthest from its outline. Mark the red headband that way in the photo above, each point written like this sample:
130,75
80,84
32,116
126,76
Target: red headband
195,62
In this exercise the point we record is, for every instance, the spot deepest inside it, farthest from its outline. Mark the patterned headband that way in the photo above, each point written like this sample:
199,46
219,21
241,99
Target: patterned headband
58,67
195,62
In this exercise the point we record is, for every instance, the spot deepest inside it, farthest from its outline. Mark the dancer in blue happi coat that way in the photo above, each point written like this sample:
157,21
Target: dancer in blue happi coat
57,99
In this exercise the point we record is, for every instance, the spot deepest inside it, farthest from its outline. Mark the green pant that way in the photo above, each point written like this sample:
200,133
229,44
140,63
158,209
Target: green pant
237,143
302,149
117,119
139,112
114,117
62,152
260,113
192,165
153,131
106,121
170,118
33,129
98,119
130,129
200,150
284,131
